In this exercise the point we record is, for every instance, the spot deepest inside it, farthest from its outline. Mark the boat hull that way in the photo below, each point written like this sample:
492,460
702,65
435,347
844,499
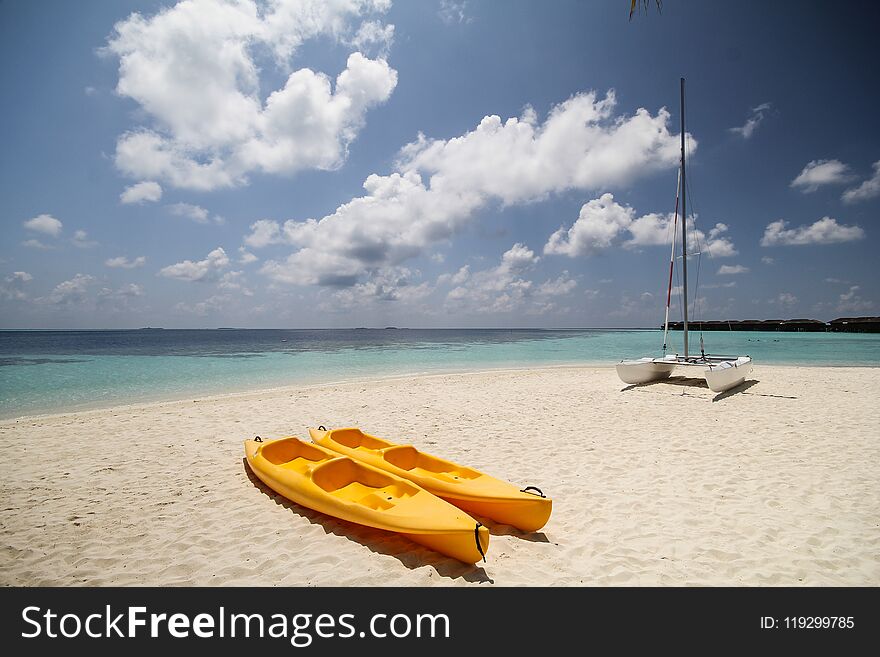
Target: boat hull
326,481
728,374
466,488
643,371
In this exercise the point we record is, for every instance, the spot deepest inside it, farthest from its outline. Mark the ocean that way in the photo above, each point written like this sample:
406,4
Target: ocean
53,371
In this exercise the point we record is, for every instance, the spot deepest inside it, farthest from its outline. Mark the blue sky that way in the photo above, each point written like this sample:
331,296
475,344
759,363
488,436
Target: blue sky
363,163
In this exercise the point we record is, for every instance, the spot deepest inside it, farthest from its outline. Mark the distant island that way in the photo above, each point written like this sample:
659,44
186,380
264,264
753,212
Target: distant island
839,325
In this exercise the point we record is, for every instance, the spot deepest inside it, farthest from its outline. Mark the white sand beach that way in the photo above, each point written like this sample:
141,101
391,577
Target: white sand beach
774,483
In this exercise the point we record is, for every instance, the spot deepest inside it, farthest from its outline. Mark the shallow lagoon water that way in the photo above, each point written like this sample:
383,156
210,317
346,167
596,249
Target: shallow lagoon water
52,371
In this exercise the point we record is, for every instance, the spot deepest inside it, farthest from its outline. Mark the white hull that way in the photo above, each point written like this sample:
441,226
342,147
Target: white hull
728,374
721,374
644,370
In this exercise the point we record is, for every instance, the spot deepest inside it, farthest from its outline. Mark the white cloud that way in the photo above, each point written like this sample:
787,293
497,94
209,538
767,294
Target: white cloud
851,302
142,192
195,212
44,223
72,291
499,289
757,115
785,300
457,278
558,286
441,183
122,262
210,305
12,287
601,221
201,270
119,298
37,244
234,281
767,260
453,12
263,233
726,270
505,287
383,285
821,172
81,240
870,188
598,223
192,70
246,256
822,231
373,34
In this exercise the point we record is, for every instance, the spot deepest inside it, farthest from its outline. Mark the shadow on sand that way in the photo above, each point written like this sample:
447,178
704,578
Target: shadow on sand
690,382
411,555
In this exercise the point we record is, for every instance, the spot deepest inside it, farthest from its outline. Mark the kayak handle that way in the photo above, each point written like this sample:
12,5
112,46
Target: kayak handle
477,538
258,439
321,427
528,489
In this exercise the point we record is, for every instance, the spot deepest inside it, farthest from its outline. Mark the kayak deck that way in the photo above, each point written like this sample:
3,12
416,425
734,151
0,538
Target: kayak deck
466,488
339,486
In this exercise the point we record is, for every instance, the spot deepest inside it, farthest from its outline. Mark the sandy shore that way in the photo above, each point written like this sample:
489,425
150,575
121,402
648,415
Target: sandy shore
664,484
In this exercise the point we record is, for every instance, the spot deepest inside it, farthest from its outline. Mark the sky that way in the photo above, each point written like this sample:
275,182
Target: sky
305,164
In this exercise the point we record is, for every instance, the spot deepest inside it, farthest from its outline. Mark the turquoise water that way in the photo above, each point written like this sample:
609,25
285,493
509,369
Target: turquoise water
55,371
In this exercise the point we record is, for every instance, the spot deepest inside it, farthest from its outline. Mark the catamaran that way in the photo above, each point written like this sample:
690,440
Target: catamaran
721,372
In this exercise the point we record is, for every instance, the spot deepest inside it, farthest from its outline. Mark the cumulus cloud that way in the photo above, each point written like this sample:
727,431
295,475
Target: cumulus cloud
37,244
119,298
195,212
767,260
81,240
851,302
756,116
823,231
121,262
71,291
821,172
727,270
505,287
142,192
201,270
192,70
559,286
785,300
383,285
234,281
246,256
210,305
44,223
870,188
373,34
12,287
499,289
601,222
439,184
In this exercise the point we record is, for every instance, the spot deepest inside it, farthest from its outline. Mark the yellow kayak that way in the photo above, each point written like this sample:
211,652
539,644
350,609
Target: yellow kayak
466,488
326,481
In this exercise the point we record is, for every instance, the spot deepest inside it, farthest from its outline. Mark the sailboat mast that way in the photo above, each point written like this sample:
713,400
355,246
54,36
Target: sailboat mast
684,262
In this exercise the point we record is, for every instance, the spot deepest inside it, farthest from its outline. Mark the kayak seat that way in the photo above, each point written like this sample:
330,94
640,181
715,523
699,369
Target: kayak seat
281,452
405,457
355,438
